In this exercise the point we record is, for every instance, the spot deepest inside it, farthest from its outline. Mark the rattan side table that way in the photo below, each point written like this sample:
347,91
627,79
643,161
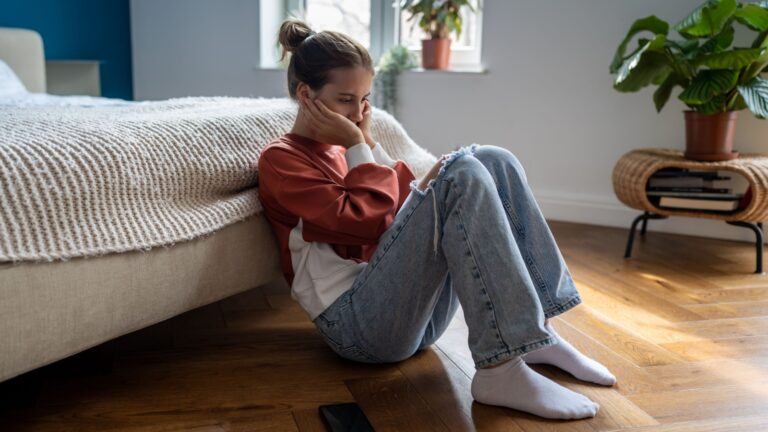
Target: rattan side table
633,170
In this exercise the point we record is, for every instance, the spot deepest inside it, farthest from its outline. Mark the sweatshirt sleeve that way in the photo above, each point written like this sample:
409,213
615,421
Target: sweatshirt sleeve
356,212
404,173
404,177
382,157
359,154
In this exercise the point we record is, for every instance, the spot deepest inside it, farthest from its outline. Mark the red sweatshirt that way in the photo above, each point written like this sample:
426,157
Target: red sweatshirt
328,206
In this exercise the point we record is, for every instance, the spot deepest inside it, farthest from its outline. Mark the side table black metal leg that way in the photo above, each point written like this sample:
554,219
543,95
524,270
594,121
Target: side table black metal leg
644,225
644,218
757,228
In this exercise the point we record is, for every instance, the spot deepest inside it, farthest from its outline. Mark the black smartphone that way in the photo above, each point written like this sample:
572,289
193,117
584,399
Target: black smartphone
346,417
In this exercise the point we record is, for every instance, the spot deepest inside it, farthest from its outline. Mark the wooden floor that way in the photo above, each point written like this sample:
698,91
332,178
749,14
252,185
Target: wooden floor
683,325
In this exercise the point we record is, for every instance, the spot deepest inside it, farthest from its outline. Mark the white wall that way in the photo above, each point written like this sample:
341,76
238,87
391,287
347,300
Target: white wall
546,96
195,48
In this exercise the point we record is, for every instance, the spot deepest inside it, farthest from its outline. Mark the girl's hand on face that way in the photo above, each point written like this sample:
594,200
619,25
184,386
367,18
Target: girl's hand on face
331,127
365,124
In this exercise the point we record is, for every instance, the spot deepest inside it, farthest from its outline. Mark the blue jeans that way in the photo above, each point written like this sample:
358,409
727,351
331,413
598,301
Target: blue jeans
480,240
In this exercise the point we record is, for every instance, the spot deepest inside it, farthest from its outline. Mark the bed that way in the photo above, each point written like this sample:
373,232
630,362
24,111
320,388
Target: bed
115,215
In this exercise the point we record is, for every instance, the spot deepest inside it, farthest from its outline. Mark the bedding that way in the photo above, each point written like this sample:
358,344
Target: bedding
14,94
10,84
79,181
45,99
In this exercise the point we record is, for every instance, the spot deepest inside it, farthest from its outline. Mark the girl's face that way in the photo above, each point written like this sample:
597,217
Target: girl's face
345,92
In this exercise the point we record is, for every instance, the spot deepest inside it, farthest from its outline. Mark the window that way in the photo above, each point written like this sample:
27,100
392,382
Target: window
374,23
464,52
352,17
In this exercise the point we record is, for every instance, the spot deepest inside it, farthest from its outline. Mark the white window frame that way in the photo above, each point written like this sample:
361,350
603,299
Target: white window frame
385,32
462,57
271,15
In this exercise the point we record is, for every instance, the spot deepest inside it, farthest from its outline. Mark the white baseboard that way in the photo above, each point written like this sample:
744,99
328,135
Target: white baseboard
609,211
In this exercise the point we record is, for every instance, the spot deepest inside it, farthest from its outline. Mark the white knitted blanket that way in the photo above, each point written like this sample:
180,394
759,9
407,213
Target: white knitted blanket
84,181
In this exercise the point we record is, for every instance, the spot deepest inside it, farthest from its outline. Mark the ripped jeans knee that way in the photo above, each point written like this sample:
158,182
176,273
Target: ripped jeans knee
451,157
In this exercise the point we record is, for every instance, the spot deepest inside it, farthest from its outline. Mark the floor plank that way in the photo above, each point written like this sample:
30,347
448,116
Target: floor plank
393,404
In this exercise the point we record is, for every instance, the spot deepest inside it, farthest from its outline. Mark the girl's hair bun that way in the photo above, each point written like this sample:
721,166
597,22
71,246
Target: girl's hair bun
292,33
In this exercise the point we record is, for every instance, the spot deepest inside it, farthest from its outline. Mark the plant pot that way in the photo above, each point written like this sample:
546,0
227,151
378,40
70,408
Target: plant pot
435,53
710,137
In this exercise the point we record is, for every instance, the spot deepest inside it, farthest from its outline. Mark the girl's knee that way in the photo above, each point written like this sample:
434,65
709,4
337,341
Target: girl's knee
492,155
464,163
469,167
471,174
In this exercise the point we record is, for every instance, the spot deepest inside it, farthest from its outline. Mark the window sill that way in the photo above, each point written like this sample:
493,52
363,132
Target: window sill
268,68
471,69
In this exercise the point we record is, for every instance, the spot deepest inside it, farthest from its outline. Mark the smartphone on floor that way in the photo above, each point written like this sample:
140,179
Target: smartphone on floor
346,417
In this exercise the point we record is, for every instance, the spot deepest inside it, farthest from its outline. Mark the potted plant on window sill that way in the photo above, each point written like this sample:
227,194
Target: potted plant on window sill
438,19
393,62
717,80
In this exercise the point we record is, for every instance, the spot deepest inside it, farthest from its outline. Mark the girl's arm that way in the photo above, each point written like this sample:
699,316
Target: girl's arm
354,212
432,173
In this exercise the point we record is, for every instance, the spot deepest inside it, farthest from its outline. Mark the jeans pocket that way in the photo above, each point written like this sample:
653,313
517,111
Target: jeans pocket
332,314
328,322
328,330
340,341
336,342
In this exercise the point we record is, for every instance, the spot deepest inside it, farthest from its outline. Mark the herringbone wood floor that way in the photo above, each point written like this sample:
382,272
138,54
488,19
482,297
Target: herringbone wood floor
683,325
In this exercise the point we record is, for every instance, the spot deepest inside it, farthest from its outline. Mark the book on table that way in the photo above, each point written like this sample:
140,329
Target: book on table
682,188
683,177
689,189
694,194
699,204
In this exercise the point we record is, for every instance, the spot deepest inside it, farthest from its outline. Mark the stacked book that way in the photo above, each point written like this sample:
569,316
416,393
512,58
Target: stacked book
681,188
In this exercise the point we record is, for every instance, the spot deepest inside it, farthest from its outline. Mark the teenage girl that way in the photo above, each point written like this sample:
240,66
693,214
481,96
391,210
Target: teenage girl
380,261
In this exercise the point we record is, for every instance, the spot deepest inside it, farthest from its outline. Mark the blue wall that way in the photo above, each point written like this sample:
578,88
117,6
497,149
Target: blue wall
81,29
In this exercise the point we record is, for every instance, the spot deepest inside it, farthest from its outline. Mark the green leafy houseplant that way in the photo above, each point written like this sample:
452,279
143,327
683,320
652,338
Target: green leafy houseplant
438,19
715,77
392,63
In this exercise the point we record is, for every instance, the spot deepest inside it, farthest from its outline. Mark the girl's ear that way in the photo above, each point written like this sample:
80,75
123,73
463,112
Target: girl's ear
303,92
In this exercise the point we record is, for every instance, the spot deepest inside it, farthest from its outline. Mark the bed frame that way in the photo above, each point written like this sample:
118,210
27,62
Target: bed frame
51,310
23,51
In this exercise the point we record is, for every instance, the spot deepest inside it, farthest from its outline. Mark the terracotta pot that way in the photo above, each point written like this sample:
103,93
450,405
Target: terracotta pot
710,137
435,53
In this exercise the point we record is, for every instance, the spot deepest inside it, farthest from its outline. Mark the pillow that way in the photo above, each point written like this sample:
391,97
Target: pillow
10,84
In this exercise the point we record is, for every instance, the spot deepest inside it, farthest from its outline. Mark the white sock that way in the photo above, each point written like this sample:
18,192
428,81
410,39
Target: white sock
515,385
569,359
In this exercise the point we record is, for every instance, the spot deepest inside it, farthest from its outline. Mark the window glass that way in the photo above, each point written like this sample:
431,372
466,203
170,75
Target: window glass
352,17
